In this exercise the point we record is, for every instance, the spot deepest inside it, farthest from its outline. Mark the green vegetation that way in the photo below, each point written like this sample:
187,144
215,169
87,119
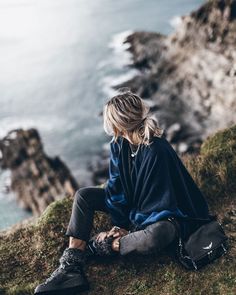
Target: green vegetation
28,254
214,169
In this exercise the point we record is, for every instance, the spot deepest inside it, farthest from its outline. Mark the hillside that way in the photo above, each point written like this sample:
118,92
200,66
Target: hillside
30,252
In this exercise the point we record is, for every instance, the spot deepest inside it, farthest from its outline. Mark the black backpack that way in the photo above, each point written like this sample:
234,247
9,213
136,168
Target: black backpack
203,246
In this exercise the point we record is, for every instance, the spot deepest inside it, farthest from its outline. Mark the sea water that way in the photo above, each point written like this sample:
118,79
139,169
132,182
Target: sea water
58,61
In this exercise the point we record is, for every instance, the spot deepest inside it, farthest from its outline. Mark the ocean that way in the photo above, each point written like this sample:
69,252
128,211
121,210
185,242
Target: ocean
58,60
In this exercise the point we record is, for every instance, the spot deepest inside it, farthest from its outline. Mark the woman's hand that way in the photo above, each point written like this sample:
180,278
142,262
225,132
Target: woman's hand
101,236
115,232
116,244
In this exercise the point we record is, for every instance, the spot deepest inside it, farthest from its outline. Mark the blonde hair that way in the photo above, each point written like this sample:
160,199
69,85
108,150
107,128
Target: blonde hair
128,112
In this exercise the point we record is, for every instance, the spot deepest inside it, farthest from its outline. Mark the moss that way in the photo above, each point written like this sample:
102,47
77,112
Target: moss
214,169
30,253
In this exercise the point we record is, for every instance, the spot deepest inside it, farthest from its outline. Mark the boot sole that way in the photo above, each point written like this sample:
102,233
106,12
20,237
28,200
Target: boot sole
67,291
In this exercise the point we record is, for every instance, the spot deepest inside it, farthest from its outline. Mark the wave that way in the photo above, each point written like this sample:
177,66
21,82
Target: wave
110,81
115,70
5,182
175,21
8,124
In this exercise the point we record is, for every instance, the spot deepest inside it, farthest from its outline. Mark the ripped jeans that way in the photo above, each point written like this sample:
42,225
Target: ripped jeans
154,237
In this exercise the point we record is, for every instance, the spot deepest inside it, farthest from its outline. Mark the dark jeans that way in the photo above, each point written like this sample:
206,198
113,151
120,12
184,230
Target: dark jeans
154,237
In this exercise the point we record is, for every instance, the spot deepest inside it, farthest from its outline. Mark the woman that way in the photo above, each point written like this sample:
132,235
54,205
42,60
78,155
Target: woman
148,187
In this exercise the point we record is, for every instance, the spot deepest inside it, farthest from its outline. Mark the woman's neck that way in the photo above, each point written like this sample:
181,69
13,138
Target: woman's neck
132,140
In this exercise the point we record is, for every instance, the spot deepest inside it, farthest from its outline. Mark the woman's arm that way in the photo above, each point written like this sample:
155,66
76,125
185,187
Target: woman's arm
115,198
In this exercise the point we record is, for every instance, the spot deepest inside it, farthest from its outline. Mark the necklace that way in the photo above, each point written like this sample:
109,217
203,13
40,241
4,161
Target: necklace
133,154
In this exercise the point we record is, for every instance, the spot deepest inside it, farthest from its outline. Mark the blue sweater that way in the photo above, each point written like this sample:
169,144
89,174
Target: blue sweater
155,186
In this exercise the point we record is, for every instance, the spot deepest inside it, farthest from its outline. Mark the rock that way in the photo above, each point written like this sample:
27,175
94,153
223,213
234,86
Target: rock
36,178
190,74
28,254
99,166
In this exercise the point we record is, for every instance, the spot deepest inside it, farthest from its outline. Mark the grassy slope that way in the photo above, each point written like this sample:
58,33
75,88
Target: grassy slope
30,253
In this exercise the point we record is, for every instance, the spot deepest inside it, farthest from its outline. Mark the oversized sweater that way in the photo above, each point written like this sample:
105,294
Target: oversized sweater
151,186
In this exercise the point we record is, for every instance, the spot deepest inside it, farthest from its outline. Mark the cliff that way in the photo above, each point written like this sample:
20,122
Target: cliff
189,75
36,178
29,253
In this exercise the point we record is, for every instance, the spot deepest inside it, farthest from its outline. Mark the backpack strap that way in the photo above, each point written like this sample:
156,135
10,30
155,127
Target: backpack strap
176,224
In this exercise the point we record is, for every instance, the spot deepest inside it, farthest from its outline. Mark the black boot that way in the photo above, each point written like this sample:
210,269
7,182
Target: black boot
102,248
69,277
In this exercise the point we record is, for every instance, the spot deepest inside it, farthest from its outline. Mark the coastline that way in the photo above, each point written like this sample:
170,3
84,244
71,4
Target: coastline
191,87
191,81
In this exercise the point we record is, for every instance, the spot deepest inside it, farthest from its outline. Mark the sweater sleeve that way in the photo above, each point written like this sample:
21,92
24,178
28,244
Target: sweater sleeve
115,198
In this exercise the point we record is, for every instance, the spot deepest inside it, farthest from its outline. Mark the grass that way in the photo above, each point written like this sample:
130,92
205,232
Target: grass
30,252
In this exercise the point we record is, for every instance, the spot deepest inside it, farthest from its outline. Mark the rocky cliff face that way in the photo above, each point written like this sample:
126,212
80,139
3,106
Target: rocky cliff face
36,178
190,74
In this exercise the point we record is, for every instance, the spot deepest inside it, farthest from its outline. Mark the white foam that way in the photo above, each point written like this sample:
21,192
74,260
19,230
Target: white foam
110,81
116,80
5,183
117,63
8,124
119,56
175,21
118,39
13,135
